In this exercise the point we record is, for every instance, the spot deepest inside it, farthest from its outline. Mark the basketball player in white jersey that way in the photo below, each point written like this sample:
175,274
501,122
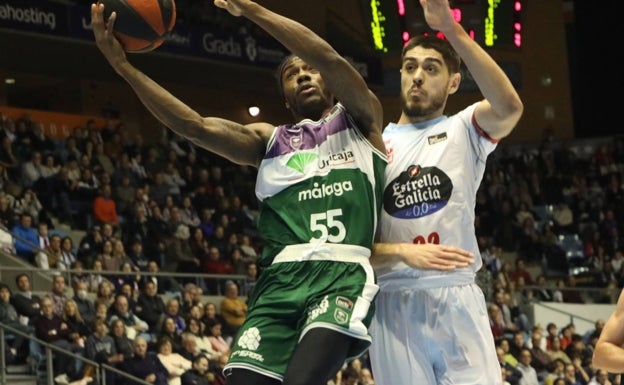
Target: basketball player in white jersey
431,326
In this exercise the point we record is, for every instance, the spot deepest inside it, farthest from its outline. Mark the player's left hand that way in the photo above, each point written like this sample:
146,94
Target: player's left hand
235,7
436,257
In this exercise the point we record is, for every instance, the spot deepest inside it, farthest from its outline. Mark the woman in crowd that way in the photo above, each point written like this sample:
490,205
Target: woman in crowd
123,344
168,329
78,328
203,344
175,364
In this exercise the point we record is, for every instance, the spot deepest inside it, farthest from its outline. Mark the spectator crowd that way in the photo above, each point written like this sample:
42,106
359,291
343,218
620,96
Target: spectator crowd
170,207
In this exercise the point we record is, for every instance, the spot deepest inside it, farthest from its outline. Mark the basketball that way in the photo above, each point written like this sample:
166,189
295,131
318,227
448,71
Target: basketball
141,25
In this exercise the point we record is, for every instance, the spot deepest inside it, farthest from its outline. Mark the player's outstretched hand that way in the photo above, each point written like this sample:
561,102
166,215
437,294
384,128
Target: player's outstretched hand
235,7
437,14
104,37
436,257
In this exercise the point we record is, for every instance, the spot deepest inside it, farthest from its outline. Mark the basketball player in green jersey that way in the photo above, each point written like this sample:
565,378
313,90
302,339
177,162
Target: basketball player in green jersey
319,182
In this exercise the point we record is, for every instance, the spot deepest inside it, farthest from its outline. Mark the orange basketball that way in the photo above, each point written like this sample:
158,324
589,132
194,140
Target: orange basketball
141,25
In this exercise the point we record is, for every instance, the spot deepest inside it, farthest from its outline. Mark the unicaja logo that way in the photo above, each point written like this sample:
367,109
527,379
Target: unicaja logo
299,161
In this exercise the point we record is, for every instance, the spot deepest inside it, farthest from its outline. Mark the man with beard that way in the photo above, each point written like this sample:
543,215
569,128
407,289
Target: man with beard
432,324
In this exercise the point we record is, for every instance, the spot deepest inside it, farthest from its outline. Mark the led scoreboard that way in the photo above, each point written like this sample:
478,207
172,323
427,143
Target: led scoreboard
491,23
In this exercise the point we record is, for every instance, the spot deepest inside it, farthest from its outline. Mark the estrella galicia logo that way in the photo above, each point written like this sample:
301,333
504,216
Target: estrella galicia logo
417,192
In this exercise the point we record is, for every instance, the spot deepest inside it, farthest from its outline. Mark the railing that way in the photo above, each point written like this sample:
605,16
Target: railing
100,369
570,315
238,278
67,272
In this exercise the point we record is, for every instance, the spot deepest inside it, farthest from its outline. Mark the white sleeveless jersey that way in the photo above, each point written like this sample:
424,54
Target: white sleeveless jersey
433,173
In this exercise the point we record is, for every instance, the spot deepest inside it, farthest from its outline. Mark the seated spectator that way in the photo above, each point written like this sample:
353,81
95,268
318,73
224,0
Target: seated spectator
210,316
29,203
181,255
233,309
555,352
541,359
127,276
85,306
175,364
78,328
556,371
32,170
507,355
137,256
51,328
168,329
50,257
219,375
7,212
529,375
100,347
163,282
198,374
123,195
105,294
104,207
144,365
189,346
25,302
202,343
150,306
206,224
26,238
215,264
90,246
67,253
172,311
17,348
216,339
123,344
58,295
134,325
49,166
563,218
251,276
188,214
101,311
497,323
191,297
513,374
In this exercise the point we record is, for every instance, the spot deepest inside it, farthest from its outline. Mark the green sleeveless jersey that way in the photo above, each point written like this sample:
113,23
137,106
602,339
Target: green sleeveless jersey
319,182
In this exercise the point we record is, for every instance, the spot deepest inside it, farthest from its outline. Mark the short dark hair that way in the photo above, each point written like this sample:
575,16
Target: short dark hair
199,357
450,56
19,276
5,286
280,71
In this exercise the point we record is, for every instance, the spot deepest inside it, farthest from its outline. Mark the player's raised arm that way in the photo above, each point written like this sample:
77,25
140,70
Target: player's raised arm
609,351
341,78
502,108
239,143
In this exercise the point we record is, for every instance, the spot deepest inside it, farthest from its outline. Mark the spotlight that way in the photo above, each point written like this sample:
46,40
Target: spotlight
254,111
9,81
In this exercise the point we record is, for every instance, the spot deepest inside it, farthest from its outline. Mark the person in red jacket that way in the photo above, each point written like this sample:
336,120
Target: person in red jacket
104,208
